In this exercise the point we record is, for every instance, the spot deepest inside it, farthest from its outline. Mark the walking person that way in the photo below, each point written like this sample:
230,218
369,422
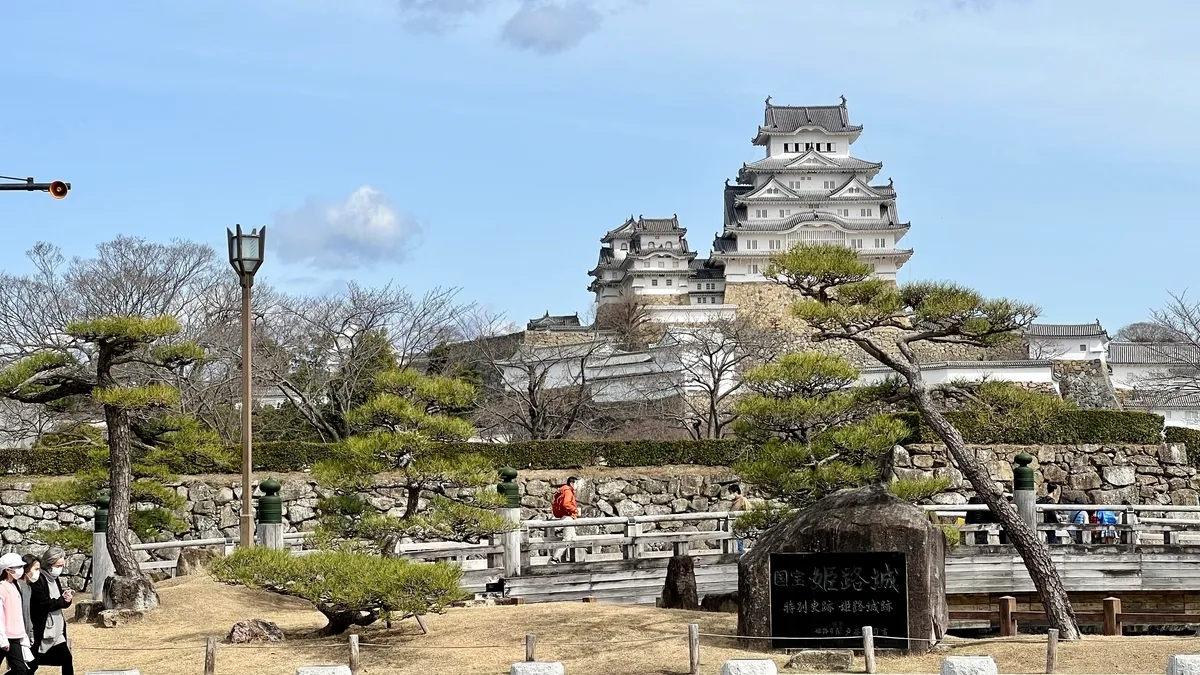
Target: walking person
14,640
1051,517
564,507
46,604
32,571
740,503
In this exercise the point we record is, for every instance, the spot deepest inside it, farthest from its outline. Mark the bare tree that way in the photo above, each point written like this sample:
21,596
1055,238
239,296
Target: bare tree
322,353
1174,358
1150,331
541,390
628,319
704,362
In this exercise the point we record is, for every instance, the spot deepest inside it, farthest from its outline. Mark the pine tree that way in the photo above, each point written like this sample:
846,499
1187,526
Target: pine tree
117,365
841,300
816,433
397,432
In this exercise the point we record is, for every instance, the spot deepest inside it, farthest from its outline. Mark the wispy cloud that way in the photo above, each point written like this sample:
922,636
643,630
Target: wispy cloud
540,26
362,231
550,27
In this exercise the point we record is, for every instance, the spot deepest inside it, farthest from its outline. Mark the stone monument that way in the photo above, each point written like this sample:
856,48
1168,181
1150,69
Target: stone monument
859,557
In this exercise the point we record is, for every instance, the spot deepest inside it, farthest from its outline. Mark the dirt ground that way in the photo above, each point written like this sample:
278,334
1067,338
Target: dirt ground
589,639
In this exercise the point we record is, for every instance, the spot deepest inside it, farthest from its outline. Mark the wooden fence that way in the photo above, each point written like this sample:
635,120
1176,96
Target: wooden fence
1111,619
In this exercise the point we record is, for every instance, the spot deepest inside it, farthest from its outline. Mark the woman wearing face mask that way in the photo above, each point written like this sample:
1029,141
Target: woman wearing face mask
46,604
32,573
12,620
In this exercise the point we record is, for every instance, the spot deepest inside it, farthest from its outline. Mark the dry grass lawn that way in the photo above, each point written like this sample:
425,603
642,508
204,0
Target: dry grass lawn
589,639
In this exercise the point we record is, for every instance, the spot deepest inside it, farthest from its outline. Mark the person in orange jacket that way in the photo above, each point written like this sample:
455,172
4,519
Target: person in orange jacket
564,507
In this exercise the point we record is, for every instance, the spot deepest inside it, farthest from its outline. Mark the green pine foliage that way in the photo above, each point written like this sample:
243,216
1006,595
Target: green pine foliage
349,588
817,434
398,432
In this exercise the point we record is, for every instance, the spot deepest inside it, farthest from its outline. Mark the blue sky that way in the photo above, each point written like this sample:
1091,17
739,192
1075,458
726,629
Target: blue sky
1042,149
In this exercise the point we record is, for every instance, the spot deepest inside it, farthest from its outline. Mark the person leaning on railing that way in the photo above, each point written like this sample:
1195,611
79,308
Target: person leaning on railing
1050,517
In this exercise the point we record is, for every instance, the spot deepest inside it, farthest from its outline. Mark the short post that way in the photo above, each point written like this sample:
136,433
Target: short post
1051,650
1008,619
354,662
1024,491
102,567
531,648
693,649
1112,616
869,648
510,511
210,656
270,515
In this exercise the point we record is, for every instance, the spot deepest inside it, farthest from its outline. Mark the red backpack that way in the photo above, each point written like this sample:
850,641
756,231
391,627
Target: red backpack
558,507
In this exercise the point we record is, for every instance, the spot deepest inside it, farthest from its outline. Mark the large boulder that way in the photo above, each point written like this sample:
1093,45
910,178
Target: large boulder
195,560
861,520
254,630
129,593
679,591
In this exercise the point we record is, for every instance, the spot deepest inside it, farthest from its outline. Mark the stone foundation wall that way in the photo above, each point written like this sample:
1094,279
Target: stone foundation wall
1103,474
214,504
770,304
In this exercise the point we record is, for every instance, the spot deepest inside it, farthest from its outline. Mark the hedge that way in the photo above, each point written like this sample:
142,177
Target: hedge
1065,428
1190,438
1070,427
287,456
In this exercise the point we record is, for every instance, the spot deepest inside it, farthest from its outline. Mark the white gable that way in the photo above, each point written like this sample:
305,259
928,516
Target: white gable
812,158
856,188
772,190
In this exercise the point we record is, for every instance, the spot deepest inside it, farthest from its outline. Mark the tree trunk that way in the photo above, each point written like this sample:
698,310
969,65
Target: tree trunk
120,476
1024,538
340,621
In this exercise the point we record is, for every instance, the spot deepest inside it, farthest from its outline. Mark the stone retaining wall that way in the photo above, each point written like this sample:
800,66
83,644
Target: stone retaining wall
214,504
1104,474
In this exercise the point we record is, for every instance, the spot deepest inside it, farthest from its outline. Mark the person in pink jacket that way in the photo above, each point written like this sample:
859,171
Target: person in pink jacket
15,640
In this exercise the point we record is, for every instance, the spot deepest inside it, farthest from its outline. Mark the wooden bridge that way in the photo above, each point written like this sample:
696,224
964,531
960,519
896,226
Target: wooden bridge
1151,559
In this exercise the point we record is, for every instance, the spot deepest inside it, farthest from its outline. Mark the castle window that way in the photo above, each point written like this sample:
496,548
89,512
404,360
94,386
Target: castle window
753,269
783,213
844,212
662,264
624,246
829,185
775,244
829,147
669,245
866,212
881,243
654,282
752,244
808,146
856,243
675,264
1083,348
760,213
669,281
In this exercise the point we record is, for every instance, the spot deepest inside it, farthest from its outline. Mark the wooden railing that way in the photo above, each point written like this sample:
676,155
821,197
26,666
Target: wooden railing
1137,525
1111,619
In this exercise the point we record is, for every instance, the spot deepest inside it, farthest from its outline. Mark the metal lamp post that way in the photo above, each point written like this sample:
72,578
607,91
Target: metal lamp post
246,256
57,189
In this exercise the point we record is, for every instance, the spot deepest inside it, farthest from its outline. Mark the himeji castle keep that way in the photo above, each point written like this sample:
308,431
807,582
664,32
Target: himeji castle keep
808,188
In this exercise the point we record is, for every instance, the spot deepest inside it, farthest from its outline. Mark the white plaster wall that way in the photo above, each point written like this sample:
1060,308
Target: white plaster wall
1067,349
972,373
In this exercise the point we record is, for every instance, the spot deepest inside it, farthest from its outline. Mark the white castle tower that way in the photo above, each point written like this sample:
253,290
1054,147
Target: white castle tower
808,189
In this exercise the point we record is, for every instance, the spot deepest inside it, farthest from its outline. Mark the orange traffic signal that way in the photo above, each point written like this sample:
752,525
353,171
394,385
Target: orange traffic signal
59,189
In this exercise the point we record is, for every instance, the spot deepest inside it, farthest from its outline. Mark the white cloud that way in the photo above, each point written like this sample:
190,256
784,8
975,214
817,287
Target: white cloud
550,27
362,231
541,26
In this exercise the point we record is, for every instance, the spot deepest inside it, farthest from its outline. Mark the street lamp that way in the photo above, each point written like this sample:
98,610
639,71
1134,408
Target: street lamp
246,256
57,189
